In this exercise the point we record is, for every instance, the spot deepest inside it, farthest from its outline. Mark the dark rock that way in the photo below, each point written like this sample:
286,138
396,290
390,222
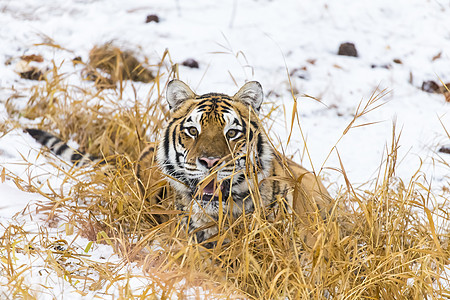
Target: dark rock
445,149
348,49
152,18
191,63
32,74
387,66
430,86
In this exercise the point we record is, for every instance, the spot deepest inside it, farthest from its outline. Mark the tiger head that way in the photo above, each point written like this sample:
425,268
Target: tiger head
211,144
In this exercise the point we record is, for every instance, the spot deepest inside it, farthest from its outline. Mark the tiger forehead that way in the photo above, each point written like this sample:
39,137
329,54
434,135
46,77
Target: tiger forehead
214,102
213,107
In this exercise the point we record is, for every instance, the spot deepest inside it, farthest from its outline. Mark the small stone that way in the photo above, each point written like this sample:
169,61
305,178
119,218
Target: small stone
397,61
191,63
445,149
152,18
348,49
32,74
386,66
430,86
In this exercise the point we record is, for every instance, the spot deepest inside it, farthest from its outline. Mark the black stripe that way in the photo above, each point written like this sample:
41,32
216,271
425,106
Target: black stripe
240,179
244,127
166,139
169,168
250,135
54,143
275,189
214,96
180,141
39,135
174,140
76,157
61,149
225,110
226,103
259,145
44,139
203,107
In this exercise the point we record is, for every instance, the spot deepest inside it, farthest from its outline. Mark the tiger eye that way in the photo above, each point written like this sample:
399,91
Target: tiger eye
232,133
193,131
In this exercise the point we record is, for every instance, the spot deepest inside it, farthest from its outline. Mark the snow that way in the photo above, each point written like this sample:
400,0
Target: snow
254,40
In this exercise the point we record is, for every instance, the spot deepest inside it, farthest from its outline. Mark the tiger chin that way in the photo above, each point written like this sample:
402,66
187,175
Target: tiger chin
216,157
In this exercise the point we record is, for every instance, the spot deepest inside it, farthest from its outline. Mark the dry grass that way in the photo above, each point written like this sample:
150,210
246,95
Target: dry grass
379,243
119,64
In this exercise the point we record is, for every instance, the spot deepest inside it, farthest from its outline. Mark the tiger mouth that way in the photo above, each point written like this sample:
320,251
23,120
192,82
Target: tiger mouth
210,192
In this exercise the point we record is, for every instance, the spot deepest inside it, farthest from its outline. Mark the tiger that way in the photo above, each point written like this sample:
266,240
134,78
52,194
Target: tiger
216,156
217,159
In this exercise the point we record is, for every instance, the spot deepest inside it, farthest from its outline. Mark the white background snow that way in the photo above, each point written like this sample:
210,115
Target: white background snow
259,40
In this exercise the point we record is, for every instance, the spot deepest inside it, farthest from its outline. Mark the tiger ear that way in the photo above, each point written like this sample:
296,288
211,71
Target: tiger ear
177,93
251,93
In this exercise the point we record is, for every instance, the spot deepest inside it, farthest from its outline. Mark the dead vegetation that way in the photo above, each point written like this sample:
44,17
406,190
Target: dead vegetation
118,64
388,240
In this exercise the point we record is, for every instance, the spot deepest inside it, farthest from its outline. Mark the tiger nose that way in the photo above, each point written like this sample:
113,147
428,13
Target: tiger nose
208,162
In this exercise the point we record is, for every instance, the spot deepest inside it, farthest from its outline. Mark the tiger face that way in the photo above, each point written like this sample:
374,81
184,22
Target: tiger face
211,145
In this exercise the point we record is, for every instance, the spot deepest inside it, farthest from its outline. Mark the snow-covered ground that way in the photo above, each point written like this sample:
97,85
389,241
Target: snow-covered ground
400,45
